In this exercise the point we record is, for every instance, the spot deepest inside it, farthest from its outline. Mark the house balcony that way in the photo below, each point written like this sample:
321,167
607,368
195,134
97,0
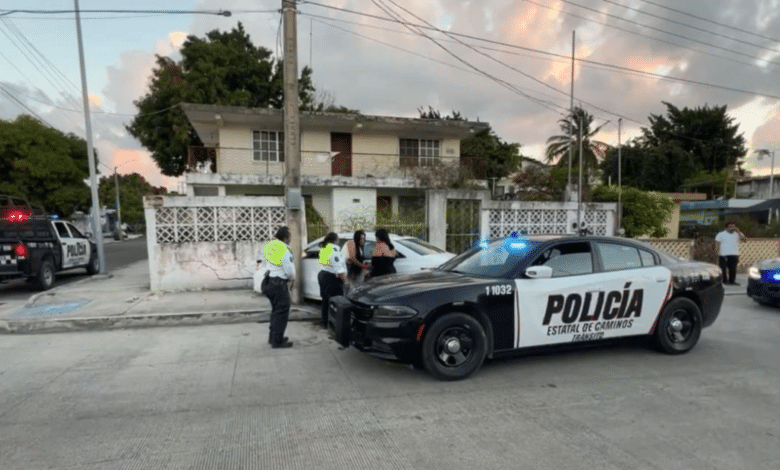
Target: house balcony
226,165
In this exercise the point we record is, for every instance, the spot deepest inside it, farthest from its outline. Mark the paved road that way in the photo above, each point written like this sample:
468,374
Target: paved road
118,254
217,397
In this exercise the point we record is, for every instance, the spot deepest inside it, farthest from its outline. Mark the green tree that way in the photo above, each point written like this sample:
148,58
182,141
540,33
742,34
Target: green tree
576,126
483,153
540,184
685,146
644,213
661,168
224,68
43,165
132,189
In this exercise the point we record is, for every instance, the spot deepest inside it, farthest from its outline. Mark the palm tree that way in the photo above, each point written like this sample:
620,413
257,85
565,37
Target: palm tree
592,150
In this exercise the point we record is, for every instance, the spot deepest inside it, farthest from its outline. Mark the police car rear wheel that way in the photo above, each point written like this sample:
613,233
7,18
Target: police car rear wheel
679,326
454,347
44,280
94,265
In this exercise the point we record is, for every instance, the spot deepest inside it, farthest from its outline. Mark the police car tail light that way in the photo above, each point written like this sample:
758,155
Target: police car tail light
20,250
17,215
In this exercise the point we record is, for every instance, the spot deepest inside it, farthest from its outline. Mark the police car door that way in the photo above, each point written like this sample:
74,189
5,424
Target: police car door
68,245
581,302
83,250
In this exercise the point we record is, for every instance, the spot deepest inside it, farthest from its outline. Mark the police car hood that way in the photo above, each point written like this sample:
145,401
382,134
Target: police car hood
770,264
393,286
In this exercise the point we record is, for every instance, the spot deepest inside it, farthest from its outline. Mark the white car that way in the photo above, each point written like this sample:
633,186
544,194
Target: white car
413,255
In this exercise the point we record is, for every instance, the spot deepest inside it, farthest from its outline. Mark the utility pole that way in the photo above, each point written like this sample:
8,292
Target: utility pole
579,185
571,114
97,230
620,187
292,149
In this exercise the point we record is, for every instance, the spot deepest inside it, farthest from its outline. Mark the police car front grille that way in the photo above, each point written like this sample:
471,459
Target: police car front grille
361,311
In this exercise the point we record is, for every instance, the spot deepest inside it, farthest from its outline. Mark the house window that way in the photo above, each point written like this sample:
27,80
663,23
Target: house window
419,152
268,146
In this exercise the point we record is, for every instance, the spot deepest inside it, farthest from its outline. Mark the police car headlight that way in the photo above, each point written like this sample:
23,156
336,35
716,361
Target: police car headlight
753,273
393,312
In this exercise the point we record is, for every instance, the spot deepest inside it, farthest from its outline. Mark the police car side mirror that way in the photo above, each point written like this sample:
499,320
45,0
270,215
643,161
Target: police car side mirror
539,272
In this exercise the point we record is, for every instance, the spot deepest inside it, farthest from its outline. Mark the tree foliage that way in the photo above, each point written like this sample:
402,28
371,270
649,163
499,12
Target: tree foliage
683,146
132,189
224,68
577,128
644,213
43,165
483,153
540,184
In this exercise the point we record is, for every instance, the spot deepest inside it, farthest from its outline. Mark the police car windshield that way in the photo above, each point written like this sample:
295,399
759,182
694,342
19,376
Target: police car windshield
491,259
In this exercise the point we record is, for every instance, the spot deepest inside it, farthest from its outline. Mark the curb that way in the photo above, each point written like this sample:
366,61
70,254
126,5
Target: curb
146,321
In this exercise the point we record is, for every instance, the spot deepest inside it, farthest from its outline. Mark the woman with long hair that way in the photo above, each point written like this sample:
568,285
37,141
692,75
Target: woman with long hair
384,255
355,256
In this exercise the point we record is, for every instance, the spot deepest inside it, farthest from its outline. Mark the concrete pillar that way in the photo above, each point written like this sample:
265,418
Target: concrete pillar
436,217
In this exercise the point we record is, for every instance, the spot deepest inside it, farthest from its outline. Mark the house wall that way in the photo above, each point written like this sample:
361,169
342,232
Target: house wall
320,199
372,154
352,203
315,157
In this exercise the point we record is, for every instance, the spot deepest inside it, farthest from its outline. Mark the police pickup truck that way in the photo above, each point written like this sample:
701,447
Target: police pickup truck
35,247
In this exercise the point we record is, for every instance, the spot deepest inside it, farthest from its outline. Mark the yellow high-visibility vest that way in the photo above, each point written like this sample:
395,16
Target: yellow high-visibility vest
326,252
275,251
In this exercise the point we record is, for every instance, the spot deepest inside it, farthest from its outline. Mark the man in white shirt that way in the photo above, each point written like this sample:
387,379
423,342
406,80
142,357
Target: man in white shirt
728,251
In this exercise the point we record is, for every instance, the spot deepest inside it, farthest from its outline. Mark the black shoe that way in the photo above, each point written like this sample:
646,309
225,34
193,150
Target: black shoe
284,340
735,283
285,344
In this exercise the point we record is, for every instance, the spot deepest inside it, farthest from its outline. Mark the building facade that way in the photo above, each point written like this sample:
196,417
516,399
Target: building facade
352,165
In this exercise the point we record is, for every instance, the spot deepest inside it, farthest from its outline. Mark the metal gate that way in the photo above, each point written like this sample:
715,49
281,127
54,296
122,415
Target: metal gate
462,224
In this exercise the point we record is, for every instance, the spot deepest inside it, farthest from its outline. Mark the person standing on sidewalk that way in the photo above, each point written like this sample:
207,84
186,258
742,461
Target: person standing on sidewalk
727,242
333,275
281,270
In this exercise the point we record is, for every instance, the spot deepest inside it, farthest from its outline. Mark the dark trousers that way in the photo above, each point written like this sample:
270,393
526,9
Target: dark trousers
279,296
728,264
330,286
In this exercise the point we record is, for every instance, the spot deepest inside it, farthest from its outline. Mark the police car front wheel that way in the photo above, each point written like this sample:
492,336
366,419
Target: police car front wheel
454,347
679,326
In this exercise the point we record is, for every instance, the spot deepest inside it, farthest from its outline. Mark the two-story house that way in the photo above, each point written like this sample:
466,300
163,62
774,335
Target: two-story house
351,164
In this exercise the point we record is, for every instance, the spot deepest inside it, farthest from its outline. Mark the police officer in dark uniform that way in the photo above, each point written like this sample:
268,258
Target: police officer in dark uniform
281,270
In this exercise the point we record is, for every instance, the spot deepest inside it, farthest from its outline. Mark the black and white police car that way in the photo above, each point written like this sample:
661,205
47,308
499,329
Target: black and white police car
524,292
764,282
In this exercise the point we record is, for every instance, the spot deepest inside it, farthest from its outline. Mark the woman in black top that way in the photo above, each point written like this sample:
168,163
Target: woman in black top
383,256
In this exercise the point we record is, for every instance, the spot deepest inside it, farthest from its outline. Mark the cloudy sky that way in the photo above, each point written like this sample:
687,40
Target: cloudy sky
505,62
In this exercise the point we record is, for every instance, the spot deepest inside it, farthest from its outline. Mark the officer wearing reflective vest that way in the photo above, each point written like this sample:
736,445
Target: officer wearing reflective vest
333,273
281,270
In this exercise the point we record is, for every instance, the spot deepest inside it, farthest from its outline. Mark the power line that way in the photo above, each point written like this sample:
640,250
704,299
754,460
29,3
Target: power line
165,12
711,21
687,25
551,54
669,33
467,64
24,106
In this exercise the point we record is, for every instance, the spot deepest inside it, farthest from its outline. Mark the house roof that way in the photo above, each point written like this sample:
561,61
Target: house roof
762,206
207,118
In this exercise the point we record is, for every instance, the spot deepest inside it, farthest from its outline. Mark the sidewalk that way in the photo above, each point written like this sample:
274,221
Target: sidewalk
122,299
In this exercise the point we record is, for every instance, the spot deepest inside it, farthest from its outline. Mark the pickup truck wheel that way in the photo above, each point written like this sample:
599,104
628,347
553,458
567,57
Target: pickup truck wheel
44,280
94,265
